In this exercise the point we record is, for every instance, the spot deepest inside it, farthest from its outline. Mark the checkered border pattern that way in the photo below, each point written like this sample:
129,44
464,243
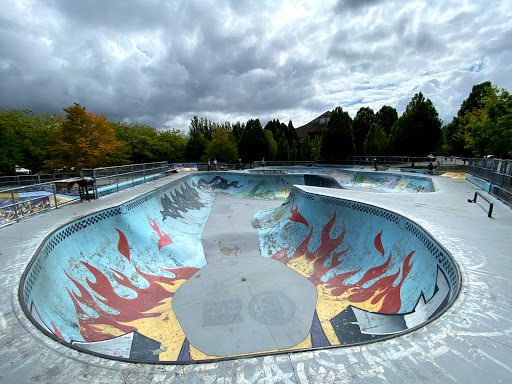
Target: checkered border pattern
444,260
55,239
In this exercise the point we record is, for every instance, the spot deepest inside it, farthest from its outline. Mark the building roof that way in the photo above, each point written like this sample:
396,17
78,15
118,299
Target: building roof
314,127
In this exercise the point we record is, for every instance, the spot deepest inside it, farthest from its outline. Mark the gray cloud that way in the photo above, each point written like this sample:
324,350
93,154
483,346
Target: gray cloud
162,62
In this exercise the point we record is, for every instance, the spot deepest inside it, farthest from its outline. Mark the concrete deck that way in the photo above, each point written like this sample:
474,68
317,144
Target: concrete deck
470,343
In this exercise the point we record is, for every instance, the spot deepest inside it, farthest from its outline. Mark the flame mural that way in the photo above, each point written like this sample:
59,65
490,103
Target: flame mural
374,291
103,313
371,272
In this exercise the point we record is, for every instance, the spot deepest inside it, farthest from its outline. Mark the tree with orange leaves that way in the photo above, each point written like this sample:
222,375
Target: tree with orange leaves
85,140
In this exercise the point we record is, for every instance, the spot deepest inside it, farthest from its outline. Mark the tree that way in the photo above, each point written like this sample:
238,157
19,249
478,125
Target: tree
307,149
418,130
221,148
476,98
142,139
363,120
454,135
10,149
294,151
291,134
275,127
196,145
316,150
272,145
376,142
489,129
453,138
337,136
172,146
84,140
283,150
202,126
237,131
253,144
24,138
387,116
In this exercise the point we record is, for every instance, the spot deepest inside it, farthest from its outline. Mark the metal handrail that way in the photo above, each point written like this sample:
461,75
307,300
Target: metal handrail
491,205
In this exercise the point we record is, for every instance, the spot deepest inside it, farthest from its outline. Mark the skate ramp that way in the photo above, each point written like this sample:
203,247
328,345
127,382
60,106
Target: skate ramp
218,265
363,179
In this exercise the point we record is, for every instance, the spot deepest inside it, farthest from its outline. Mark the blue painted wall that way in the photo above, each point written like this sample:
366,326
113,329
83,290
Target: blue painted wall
162,231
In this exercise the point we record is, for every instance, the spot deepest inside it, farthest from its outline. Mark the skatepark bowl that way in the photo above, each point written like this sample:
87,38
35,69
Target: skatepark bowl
214,266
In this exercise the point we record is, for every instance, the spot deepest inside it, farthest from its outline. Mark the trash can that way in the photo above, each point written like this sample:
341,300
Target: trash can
83,188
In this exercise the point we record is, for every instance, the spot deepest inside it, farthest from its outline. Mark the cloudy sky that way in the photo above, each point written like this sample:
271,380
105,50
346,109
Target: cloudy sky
160,62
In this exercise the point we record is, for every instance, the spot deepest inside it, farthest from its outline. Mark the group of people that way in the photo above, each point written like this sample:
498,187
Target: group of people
434,169
214,164
240,164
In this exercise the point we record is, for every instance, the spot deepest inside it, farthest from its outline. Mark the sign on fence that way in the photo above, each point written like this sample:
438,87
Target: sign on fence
185,166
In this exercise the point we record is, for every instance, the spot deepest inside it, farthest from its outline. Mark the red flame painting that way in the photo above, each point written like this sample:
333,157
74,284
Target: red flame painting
164,239
382,289
120,309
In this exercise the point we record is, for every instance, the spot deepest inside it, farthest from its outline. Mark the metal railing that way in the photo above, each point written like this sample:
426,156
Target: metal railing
491,205
498,174
23,202
7,182
114,179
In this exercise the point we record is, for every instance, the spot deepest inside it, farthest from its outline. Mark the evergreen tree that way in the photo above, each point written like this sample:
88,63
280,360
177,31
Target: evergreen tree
376,141
363,120
475,99
253,143
387,116
316,150
418,130
291,134
283,150
294,151
307,149
337,136
272,145
196,145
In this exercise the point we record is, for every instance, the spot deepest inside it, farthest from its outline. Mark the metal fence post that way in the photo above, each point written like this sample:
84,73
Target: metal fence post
95,183
493,170
15,207
55,195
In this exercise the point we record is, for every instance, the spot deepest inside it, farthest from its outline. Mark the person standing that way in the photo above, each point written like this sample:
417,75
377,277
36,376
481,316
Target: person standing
215,164
240,166
263,162
208,165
